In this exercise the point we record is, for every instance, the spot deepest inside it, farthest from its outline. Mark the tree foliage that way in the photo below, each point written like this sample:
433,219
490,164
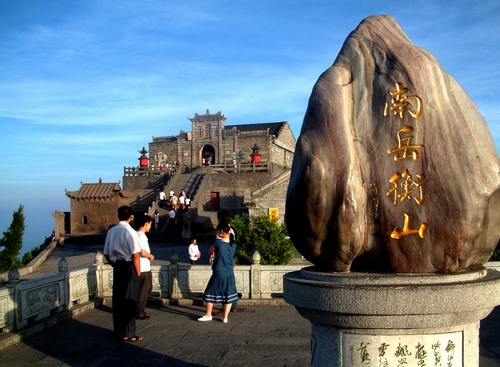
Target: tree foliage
30,255
12,242
496,254
266,236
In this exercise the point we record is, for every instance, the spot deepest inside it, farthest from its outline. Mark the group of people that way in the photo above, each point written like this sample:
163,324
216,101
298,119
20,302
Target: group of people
169,166
206,161
128,252
181,202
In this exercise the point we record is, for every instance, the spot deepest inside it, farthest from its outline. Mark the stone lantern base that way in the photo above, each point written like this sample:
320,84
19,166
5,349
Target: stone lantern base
386,320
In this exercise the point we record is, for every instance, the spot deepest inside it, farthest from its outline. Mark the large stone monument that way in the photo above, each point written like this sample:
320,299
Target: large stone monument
394,196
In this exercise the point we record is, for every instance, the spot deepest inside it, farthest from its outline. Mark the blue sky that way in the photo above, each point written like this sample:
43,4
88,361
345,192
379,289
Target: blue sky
85,84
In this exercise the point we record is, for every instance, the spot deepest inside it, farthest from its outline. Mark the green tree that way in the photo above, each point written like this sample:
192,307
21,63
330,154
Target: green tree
242,226
12,242
30,255
496,254
266,236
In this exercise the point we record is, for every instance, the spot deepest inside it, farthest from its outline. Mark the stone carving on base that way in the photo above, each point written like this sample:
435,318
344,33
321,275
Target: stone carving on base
395,169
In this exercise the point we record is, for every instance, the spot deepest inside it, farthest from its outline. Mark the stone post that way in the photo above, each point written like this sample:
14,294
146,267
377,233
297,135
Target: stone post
66,292
255,276
99,261
173,275
13,276
62,265
365,319
186,230
59,230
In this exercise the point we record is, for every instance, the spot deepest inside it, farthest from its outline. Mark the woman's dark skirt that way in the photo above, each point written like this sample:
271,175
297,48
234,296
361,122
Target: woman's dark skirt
221,288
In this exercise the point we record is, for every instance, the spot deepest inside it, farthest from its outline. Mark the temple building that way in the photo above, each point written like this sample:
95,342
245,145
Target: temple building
210,140
94,206
238,168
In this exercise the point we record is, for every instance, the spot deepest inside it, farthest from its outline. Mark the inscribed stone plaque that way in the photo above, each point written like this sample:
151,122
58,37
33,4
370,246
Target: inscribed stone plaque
402,350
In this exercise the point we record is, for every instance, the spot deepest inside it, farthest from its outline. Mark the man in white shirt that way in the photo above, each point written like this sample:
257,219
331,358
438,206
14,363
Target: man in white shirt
121,250
144,224
162,197
182,199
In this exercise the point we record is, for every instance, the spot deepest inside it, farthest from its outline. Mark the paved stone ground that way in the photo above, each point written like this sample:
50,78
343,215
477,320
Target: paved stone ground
254,336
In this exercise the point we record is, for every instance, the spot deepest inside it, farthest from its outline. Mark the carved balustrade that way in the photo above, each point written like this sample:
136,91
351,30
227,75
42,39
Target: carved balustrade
22,302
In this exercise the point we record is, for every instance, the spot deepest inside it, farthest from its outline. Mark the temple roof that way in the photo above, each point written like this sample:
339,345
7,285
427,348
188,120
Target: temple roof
274,127
95,191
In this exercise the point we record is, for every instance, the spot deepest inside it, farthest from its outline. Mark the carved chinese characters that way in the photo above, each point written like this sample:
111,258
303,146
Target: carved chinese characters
403,185
395,169
407,351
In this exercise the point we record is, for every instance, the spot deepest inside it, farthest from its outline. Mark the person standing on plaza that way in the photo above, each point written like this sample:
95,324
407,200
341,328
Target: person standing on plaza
162,196
144,224
182,200
157,220
171,218
221,287
224,218
121,250
194,251
162,199
174,200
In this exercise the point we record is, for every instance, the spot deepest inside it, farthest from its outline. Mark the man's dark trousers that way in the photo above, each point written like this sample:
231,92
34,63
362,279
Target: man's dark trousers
126,290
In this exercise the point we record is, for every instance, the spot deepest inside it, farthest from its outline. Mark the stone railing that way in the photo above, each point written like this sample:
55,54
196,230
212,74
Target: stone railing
240,167
176,281
22,302
25,301
147,171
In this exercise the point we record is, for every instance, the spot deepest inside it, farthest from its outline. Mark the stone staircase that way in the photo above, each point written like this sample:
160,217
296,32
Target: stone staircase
190,182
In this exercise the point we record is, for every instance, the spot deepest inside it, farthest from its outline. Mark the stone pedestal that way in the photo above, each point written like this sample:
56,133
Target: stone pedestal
364,319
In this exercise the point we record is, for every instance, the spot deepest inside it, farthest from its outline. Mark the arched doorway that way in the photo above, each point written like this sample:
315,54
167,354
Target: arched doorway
208,155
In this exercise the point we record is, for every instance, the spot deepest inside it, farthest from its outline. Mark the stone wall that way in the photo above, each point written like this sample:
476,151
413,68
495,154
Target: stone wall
231,188
139,182
95,216
283,148
271,195
163,150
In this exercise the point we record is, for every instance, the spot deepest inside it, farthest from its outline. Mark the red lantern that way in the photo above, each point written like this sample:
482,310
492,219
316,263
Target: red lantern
143,159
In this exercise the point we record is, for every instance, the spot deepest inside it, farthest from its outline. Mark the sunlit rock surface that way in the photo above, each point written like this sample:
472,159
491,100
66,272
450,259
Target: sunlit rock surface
367,160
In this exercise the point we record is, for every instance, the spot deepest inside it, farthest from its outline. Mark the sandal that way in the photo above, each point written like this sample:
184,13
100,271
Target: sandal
132,339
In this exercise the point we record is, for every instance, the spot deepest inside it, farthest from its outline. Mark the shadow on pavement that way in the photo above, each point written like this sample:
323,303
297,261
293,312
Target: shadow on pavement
76,343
